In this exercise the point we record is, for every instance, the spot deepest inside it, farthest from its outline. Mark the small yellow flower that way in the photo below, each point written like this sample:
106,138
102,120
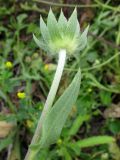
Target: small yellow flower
9,64
46,67
21,95
49,67
29,123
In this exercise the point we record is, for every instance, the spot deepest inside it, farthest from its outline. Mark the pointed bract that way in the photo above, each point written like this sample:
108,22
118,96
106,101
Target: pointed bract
44,30
77,32
62,34
62,23
52,25
72,24
83,39
40,43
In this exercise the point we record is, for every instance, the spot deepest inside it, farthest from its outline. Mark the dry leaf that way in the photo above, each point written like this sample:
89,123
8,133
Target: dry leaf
5,128
113,111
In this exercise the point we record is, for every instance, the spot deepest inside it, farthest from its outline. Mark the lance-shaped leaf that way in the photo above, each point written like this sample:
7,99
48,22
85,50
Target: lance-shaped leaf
56,117
91,142
95,140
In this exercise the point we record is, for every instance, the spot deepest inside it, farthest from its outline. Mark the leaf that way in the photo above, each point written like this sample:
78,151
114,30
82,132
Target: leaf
6,141
44,30
21,17
52,26
56,117
2,95
96,140
113,111
14,153
77,124
105,97
83,39
40,43
72,25
114,126
65,153
114,149
5,128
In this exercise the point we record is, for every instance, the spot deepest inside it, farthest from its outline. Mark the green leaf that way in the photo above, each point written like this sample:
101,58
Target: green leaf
105,97
114,126
52,25
114,149
15,152
2,95
65,153
40,43
21,17
62,23
83,39
56,117
72,25
6,141
44,30
77,124
96,140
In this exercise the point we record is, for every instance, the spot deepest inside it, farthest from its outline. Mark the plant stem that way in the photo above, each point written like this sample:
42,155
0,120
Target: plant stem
66,5
49,102
7,99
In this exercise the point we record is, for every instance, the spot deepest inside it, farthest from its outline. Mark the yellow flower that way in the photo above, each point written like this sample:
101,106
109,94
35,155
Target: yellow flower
29,123
46,67
49,67
9,64
21,95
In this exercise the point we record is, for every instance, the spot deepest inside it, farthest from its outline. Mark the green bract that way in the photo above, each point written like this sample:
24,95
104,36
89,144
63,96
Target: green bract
61,34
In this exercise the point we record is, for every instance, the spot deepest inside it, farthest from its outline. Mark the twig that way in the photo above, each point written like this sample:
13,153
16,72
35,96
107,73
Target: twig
66,5
108,6
102,64
105,41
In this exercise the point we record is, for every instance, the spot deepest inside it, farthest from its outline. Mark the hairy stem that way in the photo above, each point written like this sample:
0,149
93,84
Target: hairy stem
49,102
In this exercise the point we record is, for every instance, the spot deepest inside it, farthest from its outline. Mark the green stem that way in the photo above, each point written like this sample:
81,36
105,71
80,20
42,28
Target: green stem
107,6
49,102
102,64
7,99
14,149
116,50
66,5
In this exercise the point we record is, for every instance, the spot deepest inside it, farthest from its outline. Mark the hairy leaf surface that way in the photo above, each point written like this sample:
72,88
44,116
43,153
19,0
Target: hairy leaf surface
56,117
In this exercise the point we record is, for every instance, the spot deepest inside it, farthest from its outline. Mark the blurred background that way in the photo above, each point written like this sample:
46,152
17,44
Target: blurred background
26,73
